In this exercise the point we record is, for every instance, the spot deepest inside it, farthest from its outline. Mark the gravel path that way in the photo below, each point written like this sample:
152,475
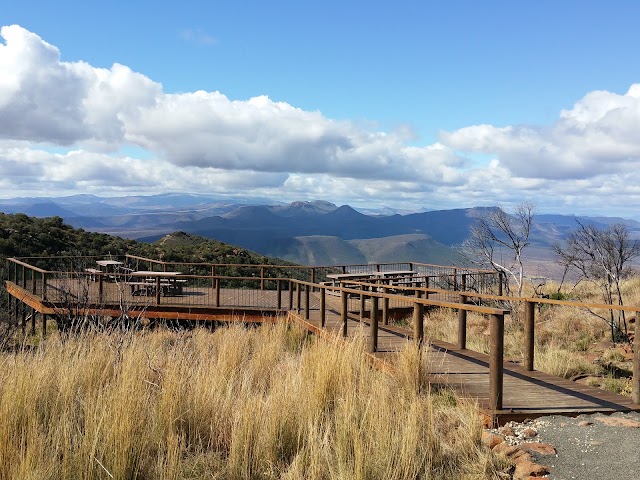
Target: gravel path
590,449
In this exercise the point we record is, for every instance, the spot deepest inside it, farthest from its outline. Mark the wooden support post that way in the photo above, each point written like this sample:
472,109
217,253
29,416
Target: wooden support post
44,286
496,359
313,275
100,288
373,337
464,282
261,278
500,282
418,320
217,292
23,312
44,325
307,288
343,312
455,279
290,295
635,381
279,289
362,303
462,324
158,291
323,295
529,332
426,286
385,308
213,276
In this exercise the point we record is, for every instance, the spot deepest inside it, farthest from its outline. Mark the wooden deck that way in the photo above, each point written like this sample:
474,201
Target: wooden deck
526,395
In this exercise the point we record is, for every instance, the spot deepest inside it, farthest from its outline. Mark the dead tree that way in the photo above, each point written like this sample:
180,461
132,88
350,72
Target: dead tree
497,240
602,257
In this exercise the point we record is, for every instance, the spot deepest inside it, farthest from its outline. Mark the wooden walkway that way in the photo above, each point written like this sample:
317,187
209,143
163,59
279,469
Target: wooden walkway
526,395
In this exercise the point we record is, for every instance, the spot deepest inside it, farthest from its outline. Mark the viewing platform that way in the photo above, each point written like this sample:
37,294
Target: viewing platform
343,301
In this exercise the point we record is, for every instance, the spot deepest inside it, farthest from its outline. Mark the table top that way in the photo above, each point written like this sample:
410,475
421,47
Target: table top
338,276
145,273
394,273
105,263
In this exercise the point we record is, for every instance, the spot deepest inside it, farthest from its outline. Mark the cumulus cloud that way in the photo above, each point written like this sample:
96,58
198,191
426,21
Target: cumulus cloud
46,100
64,126
599,135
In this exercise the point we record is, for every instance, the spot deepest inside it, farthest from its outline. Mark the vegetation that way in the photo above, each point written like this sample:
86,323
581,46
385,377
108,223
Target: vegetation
569,341
235,404
496,235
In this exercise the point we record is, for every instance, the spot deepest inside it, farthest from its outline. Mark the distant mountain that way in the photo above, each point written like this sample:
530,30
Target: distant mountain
316,232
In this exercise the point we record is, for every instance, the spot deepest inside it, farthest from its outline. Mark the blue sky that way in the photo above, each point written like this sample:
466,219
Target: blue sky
406,104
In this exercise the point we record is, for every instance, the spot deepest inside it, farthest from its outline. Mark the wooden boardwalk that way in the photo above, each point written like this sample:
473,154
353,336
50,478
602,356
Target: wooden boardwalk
526,395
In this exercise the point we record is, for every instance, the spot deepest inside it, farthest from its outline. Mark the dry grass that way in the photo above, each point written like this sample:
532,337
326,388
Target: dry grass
567,339
235,404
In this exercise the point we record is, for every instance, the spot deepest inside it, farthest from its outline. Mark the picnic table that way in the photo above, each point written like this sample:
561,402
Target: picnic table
168,282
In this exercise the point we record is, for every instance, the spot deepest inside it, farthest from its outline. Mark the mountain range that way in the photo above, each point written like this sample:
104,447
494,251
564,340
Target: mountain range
317,232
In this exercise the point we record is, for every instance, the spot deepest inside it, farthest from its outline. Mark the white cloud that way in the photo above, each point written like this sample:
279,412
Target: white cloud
62,125
599,135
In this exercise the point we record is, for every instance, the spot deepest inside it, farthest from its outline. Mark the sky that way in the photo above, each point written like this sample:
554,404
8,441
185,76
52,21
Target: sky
411,105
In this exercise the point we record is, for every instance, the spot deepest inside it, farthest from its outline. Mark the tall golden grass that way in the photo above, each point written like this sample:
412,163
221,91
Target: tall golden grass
235,404
566,337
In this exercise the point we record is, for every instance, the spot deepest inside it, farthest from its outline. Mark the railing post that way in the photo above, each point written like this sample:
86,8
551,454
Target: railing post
385,308
373,337
290,295
462,324
323,292
298,297
529,332
213,276
455,279
635,381
362,303
158,290
418,320
279,289
426,286
261,278
306,301
343,312
496,358
313,275
500,282
464,282
100,288
217,292
44,286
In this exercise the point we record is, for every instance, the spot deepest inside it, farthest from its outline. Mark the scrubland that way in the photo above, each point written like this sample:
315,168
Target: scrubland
271,402
570,341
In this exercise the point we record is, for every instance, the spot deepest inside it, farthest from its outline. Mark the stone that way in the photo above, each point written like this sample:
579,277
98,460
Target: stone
526,470
618,422
507,431
529,432
505,449
491,439
584,423
539,448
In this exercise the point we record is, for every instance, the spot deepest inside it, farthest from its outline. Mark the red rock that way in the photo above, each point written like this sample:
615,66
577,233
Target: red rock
491,439
526,470
505,449
529,432
539,448
618,422
507,431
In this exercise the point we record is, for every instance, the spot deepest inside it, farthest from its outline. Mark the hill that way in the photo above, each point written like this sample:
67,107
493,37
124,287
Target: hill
24,236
